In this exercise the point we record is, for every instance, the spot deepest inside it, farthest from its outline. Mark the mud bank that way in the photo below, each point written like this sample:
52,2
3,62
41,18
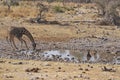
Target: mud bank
76,49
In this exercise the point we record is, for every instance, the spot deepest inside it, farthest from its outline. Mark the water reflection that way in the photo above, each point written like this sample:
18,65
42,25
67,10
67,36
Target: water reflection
61,55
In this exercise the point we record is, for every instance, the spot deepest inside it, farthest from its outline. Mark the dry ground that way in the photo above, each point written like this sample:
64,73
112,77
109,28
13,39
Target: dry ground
19,69
19,15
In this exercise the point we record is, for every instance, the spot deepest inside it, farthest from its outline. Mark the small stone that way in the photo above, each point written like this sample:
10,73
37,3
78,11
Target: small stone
42,79
80,68
64,79
56,75
32,70
47,64
91,66
59,68
86,70
35,78
27,70
9,62
8,76
7,69
2,61
88,65
75,76
86,77
46,75
83,72
80,76
20,62
79,65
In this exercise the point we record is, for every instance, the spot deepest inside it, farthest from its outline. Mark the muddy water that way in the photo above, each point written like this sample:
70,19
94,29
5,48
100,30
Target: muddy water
70,55
61,55
72,51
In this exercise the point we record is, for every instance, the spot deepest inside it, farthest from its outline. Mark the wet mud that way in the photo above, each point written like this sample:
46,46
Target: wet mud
75,50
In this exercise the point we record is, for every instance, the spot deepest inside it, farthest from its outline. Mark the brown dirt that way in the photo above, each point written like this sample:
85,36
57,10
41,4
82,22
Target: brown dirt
76,36
12,69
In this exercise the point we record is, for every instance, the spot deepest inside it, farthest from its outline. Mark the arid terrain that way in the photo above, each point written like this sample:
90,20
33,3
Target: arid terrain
75,34
43,70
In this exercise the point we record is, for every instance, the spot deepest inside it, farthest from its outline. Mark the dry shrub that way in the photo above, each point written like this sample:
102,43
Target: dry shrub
107,8
10,3
23,12
59,9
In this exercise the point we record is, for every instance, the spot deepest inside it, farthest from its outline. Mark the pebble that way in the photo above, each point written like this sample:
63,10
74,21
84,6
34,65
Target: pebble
8,76
35,78
80,68
47,64
86,69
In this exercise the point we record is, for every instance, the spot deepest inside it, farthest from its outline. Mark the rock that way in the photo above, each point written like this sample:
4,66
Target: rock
80,76
32,70
86,77
59,68
8,76
47,64
80,68
18,63
64,79
35,78
83,72
56,75
75,76
2,61
86,70
91,67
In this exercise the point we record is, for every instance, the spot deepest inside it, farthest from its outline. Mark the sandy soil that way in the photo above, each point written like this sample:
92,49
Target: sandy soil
37,70
79,36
